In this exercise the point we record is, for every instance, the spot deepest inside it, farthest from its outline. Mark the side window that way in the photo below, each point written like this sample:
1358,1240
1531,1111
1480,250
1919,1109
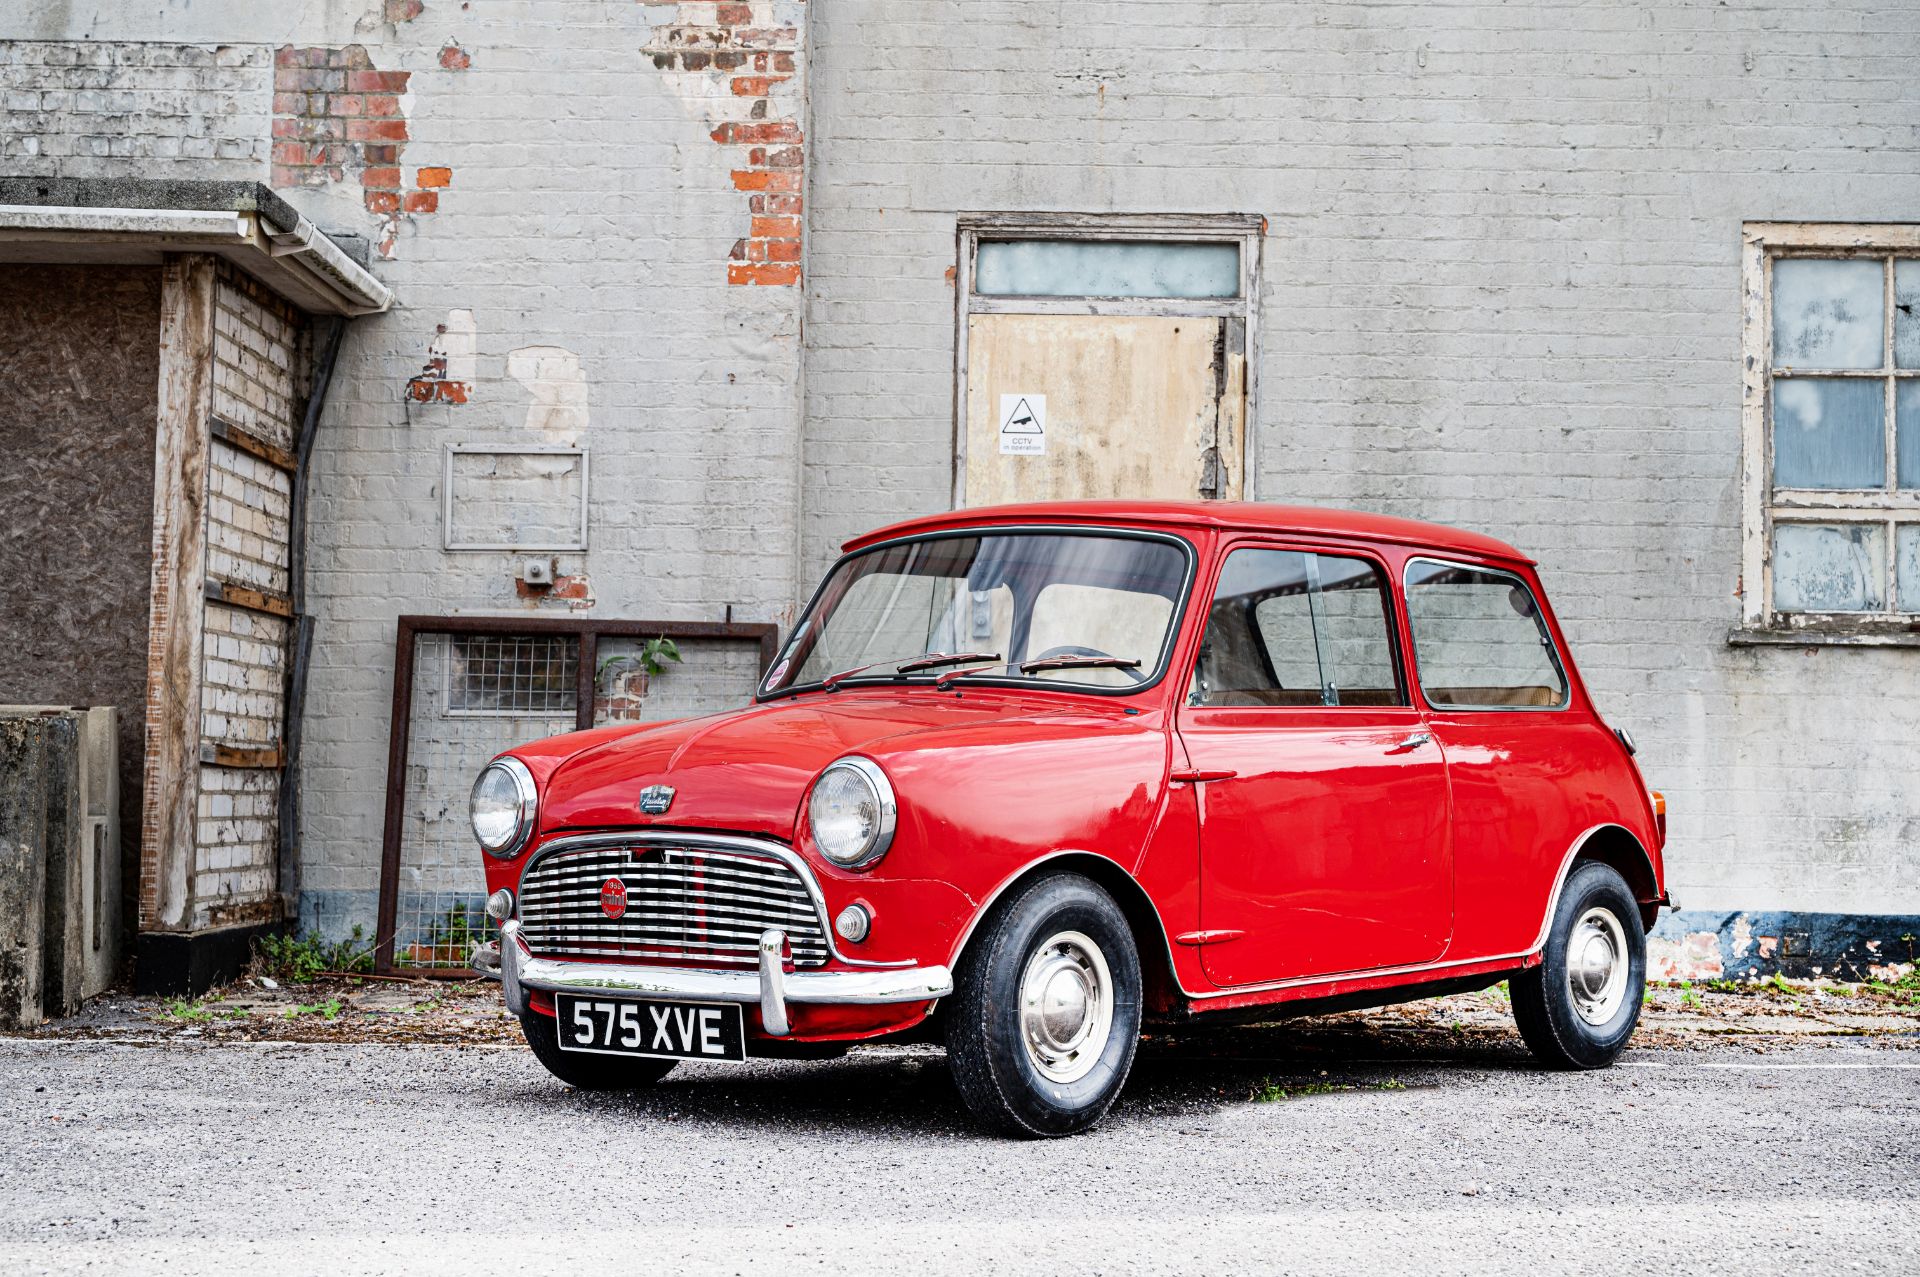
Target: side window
1480,640
1292,628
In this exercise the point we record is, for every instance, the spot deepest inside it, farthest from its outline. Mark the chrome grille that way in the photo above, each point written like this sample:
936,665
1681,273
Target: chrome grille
684,904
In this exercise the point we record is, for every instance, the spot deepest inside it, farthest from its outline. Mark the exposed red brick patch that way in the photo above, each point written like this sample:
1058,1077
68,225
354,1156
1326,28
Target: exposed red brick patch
335,112
404,10
740,67
455,58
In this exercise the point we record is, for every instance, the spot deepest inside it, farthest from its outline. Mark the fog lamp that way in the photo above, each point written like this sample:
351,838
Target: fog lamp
853,924
500,905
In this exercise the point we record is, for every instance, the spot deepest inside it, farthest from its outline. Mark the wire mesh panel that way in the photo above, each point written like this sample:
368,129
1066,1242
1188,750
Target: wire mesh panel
468,688
473,696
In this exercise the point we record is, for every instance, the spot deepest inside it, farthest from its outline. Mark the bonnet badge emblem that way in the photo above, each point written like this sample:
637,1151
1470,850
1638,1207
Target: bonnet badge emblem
655,799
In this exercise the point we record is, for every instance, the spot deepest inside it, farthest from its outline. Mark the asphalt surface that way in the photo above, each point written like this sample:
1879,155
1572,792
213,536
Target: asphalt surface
1445,1155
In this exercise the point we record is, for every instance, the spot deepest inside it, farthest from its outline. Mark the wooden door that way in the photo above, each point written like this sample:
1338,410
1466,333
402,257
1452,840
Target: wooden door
1080,406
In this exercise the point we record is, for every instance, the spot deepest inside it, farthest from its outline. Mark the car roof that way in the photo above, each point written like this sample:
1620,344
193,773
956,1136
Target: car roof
1257,516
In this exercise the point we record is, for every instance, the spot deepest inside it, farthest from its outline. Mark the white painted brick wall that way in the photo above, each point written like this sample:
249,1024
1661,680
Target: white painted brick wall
256,347
73,108
1502,290
248,503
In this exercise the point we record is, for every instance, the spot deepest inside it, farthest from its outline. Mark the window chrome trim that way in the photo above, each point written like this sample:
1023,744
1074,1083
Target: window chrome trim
742,844
1176,621
1540,618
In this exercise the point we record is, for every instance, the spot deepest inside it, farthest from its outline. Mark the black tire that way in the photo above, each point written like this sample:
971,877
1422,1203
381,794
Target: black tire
998,1075
589,1072
1545,1005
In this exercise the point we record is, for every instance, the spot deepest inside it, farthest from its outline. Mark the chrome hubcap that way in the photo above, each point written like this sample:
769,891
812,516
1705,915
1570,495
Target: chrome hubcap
1066,1006
1597,966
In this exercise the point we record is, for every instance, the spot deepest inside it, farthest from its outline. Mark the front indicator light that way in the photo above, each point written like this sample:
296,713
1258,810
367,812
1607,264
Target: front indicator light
1659,813
500,905
853,924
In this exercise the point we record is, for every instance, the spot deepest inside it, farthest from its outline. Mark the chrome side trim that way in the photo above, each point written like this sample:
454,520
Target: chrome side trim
519,971
773,989
741,843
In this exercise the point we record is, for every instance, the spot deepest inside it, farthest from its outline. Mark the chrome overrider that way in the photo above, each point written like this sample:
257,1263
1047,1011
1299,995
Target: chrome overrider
773,987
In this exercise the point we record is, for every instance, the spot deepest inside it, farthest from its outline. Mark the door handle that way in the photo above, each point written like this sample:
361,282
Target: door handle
1413,741
1194,777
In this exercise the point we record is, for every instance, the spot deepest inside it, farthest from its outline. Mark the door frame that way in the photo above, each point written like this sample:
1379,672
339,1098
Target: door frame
1248,230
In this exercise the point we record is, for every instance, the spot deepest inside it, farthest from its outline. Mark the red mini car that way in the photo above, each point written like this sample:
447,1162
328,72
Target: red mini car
1022,777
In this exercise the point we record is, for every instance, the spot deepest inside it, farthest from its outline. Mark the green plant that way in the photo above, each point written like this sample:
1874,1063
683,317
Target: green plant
330,1009
652,652
191,1012
298,959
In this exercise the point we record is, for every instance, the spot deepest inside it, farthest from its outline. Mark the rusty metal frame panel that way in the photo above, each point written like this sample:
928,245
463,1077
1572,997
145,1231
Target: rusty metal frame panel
1249,230
588,633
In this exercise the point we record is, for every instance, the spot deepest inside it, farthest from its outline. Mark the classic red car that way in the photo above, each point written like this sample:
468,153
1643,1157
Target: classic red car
1022,777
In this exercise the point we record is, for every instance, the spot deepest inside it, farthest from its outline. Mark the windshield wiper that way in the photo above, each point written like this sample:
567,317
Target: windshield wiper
907,665
1078,663
934,660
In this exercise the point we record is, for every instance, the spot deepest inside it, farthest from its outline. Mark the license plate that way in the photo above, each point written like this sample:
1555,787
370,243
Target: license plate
673,1030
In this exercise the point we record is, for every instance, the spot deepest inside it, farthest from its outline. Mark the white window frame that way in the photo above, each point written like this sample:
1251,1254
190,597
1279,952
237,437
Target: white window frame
1764,243
1248,230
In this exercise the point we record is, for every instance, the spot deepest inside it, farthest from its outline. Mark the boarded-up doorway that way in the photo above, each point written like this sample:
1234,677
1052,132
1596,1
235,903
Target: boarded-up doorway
1104,360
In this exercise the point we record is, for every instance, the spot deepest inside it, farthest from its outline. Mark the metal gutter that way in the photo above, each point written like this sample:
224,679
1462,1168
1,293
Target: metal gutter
288,253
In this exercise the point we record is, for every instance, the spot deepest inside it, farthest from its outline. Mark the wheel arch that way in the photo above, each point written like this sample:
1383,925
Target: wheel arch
1617,848
1159,984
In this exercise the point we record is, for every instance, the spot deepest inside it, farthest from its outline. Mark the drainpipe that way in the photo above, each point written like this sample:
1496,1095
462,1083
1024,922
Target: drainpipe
295,702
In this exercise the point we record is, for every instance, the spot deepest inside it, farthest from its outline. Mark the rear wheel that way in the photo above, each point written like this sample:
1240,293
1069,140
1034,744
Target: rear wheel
588,1072
1577,1009
1045,1013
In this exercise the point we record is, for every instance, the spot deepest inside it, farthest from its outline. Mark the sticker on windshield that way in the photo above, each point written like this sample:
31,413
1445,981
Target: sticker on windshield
1023,425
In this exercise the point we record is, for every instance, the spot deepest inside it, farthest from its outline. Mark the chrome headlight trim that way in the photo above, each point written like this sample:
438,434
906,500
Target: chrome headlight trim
529,801
889,812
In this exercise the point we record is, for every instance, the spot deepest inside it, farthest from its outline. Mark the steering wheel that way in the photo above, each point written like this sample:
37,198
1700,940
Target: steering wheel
1074,649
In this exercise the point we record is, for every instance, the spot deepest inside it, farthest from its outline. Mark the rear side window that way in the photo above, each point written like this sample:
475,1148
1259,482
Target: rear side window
1480,640
1291,628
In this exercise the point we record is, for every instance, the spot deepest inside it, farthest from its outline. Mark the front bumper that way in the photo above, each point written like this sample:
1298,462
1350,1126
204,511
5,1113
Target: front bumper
772,987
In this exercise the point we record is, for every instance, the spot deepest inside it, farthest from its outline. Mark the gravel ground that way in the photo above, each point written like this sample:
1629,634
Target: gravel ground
1775,1129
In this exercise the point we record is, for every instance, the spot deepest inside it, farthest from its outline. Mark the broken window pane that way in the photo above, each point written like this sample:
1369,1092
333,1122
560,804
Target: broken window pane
1906,313
1906,422
1829,432
1084,268
1907,554
1825,567
1827,312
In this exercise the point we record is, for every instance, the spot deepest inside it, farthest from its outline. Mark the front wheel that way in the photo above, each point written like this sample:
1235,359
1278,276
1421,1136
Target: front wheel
1577,1009
587,1072
1045,1013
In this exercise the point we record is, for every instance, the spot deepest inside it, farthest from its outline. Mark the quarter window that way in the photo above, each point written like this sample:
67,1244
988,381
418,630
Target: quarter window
1291,628
1833,426
1479,640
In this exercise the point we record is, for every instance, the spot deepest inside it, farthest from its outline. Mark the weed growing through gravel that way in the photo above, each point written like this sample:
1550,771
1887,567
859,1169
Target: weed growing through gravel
300,959
329,1010
1271,1092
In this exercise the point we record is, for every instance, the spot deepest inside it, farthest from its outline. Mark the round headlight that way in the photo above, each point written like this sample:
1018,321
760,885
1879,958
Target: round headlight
503,806
851,812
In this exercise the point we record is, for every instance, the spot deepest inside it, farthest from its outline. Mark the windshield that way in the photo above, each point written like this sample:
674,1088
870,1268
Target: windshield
1092,609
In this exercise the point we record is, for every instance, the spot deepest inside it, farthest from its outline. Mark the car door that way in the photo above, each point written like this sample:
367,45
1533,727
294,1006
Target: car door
1323,809
1503,707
